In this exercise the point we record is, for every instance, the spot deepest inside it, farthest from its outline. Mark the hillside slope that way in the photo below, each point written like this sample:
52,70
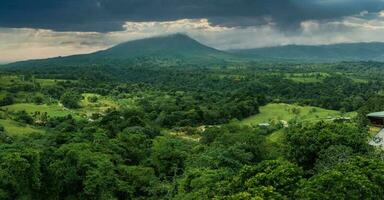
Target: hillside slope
322,53
177,48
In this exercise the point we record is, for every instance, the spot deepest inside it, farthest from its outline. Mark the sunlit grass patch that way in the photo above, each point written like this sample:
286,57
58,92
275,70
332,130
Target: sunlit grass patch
287,112
15,128
53,110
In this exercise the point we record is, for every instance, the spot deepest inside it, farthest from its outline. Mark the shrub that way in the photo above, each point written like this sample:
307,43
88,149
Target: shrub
70,99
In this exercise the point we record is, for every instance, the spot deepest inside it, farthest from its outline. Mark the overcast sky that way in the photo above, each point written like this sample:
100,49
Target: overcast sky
45,28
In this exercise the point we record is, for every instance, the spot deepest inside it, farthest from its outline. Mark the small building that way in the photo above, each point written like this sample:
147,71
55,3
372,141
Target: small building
376,118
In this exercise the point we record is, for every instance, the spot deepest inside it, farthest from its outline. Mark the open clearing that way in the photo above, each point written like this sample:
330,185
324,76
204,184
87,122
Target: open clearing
100,105
9,80
307,77
288,112
48,82
15,128
56,110
53,110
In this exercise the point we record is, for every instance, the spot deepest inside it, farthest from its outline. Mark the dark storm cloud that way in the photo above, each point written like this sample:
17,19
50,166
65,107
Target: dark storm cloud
109,15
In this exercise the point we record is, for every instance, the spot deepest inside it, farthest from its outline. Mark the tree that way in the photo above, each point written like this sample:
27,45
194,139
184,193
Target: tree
278,178
71,99
4,137
54,91
7,100
203,183
93,99
333,155
306,141
19,173
131,146
77,171
23,117
360,178
38,99
135,182
169,155
210,135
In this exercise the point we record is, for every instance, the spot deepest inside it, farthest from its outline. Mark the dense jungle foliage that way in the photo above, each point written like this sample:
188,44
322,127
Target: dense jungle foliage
141,132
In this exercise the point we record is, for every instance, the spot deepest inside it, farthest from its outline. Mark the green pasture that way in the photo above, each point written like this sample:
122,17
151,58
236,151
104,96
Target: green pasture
50,82
287,112
53,110
102,103
15,128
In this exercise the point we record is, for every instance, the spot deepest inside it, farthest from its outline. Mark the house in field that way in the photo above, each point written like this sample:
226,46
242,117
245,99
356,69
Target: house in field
376,118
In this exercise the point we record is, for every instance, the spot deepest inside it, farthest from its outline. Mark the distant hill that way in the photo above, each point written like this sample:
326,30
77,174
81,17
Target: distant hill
180,50
321,53
177,45
173,49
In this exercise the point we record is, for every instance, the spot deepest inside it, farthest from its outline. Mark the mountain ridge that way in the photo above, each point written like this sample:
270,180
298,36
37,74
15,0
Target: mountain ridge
180,49
363,51
168,47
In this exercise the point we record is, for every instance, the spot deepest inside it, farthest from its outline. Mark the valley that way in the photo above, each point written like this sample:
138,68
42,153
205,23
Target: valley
170,118
191,100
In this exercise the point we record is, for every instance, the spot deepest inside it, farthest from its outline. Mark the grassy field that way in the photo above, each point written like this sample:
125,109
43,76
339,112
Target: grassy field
288,112
276,137
50,82
15,128
319,77
307,77
359,80
46,82
127,102
275,144
53,110
102,103
8,80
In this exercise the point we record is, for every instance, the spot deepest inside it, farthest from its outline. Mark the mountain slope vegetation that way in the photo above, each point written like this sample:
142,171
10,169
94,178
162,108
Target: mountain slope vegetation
321,53
179,50
142,131
170,50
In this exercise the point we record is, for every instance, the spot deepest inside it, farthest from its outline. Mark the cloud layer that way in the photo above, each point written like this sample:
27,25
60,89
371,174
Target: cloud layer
28,43
110,15
47,28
